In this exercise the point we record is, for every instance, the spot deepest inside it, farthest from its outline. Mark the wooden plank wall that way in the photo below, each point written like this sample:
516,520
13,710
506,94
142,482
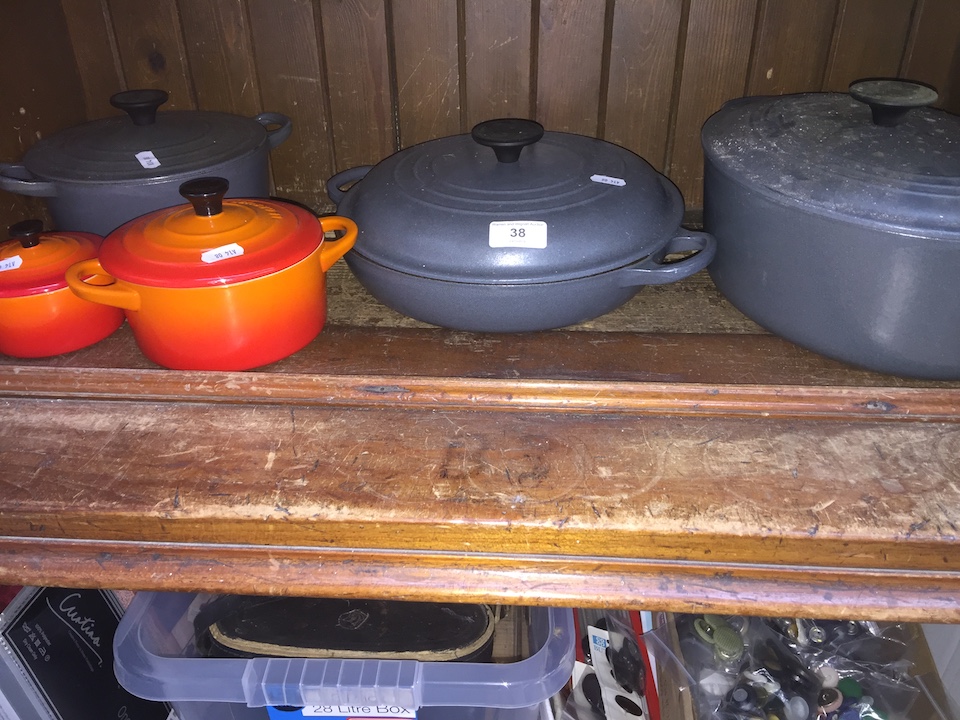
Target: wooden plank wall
363,78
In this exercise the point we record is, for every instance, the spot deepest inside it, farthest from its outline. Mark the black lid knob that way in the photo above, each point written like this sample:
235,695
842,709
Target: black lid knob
891,99
507,136
140,105
27,232
206,194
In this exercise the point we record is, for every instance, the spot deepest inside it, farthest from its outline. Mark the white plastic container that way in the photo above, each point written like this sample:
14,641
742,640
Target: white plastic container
155,658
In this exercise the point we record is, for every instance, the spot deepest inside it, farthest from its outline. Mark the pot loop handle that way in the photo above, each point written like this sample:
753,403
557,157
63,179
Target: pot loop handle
653,271
88,280
335,184
333,250
281,131
18,180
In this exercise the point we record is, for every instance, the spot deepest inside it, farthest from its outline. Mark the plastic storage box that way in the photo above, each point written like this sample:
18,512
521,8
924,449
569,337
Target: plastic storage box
155,658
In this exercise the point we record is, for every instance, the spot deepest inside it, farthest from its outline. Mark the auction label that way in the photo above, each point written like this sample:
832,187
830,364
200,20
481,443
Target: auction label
518,234
147,159
11,263
223,252
607,180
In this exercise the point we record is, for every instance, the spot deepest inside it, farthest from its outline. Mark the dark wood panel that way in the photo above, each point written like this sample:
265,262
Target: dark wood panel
427,49
292,81
151,49
569,64
40,91
497,46
95,49
715,62
869,40
933,53
792,46
643,58
359,83
222,72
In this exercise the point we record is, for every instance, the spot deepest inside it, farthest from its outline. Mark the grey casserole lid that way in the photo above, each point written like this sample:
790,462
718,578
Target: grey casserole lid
445,209
144,144
875,156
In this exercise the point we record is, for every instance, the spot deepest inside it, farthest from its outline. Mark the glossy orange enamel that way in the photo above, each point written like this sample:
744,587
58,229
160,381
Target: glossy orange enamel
52,323
234,326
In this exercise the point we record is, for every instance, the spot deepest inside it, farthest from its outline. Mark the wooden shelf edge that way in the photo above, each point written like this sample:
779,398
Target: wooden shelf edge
405,391
526,580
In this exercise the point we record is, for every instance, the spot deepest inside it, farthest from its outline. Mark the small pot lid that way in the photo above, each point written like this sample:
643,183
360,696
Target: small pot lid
33,262
875,156
144,143
510,203
211,241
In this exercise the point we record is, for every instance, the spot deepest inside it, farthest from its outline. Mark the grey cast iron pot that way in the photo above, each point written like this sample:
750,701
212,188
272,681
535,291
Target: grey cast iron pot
510,228
98,175
837,218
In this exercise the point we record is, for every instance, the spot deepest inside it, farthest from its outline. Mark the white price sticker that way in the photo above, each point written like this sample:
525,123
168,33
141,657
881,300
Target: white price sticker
222,253
148,159
518,234
607,180
11,263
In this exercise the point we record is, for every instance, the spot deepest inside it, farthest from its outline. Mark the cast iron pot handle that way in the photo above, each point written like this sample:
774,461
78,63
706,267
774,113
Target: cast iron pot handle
653,271
891,99
276,135
16,179
346,177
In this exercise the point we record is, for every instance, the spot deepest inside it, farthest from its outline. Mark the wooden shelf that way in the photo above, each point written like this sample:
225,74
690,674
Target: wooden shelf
713,468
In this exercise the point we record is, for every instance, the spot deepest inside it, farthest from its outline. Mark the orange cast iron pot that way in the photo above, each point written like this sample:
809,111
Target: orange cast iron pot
39,315
218,284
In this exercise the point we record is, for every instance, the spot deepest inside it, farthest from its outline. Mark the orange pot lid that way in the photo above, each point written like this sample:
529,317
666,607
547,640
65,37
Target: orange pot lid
33,262
211,241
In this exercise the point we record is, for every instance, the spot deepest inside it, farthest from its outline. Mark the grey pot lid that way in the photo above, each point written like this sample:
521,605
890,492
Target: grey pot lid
552,206
876,156
144,144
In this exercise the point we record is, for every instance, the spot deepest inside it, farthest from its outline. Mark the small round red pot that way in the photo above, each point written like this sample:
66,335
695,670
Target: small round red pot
39,315
219,284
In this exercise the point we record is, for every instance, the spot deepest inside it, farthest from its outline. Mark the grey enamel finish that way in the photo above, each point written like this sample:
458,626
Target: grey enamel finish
861,266
521,307
597,219
94,181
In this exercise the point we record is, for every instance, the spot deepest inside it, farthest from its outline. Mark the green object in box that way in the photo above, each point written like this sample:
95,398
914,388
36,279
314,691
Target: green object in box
850,688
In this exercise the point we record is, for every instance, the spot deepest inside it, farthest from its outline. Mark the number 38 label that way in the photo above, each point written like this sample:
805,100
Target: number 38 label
518,234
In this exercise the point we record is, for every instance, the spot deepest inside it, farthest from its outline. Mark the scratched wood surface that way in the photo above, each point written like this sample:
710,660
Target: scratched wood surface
728,471
364,78
777,500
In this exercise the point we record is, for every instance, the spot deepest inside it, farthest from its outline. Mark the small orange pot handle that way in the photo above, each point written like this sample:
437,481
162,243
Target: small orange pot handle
333,250
88,280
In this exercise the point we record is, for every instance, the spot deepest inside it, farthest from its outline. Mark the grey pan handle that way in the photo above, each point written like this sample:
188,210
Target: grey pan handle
17,179
336,183
653,271
278,134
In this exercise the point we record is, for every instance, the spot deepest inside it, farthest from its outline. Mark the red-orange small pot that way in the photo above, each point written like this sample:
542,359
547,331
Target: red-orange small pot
218,284
39,315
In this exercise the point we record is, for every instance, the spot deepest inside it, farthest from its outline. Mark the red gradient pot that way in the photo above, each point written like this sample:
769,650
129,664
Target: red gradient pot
218,284
39,315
